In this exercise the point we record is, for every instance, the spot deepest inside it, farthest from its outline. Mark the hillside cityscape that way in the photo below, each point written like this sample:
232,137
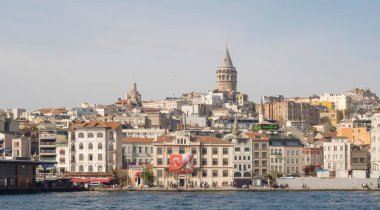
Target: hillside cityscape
216,139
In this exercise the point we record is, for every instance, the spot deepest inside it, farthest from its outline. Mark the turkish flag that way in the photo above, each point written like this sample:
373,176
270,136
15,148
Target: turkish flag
175,162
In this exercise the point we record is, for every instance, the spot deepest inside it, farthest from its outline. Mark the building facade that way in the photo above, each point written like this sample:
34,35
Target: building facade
95,147
337,154
286,157
137,151
212,160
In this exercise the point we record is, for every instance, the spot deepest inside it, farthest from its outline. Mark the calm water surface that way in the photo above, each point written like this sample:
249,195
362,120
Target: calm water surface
192,200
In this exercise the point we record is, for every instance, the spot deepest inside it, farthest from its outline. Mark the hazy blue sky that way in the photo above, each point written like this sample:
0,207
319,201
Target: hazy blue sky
62,53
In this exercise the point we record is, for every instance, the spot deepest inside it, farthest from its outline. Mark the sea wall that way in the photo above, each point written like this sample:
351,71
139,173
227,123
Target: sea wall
338,183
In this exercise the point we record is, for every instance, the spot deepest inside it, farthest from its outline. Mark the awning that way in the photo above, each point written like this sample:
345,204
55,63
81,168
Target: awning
86,180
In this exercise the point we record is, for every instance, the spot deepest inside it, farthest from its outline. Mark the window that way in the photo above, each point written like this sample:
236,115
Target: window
81,157
335,148
80,135
355,160
73,158
214,173
182,150
195,173
204,161
90,135
73,168
146,150
204,151
100,157
256,163
100,168
246,149
248,157
80,146
214,151
225,161
159,173
194,161
362,160
264,155
159,150
62,152
237,149
225,151
193,150
341,148
256,146
264,146
62,160
257,155
169,150
159,161
99,135
90,157
167,161
81,168
215,161
110,147
204,173
140,150
100,146
90,146
90,168
264,163
72,136
110,135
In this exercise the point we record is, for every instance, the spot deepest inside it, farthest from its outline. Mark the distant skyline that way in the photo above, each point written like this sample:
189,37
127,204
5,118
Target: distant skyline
64,53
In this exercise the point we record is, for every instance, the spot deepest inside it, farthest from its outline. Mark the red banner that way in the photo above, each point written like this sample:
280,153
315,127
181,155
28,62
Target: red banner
181,163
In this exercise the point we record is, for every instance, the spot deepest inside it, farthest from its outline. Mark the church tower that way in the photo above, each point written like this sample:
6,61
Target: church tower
226,75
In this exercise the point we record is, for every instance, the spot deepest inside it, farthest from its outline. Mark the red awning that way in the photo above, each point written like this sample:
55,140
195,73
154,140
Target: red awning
80,179
86,180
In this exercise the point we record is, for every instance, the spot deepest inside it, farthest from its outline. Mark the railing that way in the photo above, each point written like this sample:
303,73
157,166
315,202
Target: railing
47,143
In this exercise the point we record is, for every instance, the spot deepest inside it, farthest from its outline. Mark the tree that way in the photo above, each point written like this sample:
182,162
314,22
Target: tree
148,177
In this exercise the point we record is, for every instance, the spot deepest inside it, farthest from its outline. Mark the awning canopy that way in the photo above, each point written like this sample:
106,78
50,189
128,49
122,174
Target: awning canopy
86,180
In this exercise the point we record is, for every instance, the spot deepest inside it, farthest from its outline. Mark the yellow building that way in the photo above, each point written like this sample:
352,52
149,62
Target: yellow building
359,135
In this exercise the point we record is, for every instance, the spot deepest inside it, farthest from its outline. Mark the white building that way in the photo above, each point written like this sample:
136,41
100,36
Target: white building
342,102
337,154
95,147
375,146
138,151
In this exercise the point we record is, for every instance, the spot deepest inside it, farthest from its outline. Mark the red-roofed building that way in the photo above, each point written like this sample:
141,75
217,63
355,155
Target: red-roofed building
95,149
206,161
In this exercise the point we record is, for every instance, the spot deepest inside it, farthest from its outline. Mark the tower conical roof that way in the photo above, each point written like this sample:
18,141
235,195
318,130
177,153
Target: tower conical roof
227,62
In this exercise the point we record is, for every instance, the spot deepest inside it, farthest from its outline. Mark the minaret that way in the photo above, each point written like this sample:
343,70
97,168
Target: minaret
261,112
235,127
226,75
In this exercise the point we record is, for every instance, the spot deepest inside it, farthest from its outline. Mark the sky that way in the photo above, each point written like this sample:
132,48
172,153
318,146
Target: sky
64,53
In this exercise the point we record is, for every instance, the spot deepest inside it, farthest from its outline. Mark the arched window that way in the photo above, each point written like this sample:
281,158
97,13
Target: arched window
110,147
223,77
81,135
90,146
100,146
110,168
228,77
90,135
81,168
247,174
280,169
80,146
100,168
81,157
73,168
90,168
99,135
237,174
110,135
72,147
72,135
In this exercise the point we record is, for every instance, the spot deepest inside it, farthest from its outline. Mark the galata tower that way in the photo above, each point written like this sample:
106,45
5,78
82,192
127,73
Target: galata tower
226,75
